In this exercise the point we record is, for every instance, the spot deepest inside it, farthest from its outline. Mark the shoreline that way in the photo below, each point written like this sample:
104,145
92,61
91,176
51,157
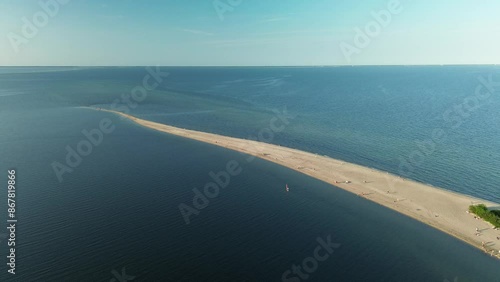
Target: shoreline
442,209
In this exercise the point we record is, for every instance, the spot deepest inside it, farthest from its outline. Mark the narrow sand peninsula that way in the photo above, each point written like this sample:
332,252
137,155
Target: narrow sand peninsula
439,208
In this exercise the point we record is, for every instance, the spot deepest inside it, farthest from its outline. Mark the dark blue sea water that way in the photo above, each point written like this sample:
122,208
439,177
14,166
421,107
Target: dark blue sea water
119,208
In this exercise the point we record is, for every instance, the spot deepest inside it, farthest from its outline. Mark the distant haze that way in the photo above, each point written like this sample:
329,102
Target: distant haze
249,32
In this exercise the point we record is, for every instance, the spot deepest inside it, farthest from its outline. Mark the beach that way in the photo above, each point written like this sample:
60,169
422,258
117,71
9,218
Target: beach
439,208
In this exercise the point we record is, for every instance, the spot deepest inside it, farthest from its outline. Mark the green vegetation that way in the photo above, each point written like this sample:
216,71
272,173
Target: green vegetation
482,211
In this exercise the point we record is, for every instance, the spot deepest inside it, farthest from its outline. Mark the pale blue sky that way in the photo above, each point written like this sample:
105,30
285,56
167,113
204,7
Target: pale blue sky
255,32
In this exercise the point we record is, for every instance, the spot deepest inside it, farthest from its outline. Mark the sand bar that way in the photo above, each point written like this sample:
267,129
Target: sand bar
442,209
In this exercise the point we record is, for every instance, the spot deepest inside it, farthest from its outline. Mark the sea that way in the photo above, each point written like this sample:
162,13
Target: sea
132,205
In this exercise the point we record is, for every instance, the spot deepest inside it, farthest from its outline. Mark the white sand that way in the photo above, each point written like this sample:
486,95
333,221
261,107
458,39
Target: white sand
436,207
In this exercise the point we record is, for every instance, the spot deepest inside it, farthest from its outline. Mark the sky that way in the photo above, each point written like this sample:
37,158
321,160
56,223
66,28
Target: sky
248,32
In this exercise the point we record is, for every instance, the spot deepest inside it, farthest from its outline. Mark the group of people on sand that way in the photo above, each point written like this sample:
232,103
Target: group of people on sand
484,245
477,232
348,182
491,252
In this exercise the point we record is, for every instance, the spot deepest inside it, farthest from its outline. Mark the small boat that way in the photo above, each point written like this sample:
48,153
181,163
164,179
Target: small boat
286,188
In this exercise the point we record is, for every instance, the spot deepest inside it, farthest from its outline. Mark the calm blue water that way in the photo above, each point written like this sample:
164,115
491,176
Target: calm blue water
119,208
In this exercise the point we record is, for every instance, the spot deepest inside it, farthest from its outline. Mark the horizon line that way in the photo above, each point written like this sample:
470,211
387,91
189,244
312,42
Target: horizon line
263,66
